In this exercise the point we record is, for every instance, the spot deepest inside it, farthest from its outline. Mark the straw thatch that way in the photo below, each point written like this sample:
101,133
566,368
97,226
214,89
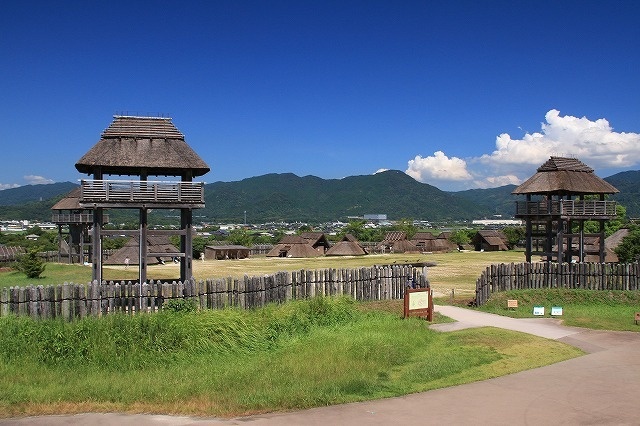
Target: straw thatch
427,242
318,240
390,238
490,240
561,176
293,246
71,201
226,252
348,246
155,244
132,145
404,246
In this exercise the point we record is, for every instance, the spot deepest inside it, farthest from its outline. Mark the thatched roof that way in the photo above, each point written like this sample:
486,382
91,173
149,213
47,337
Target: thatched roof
560,175
155,244
490,238
133,144
404,246
71,201
349,246
423,236
316,239
293,246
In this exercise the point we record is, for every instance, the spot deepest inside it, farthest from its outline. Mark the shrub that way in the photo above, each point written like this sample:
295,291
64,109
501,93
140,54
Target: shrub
31,265
180,305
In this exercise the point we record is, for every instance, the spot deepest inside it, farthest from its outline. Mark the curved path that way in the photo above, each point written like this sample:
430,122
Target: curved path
602,387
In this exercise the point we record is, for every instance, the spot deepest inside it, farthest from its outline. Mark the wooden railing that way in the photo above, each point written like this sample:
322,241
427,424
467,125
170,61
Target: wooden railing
75,218
119,191
566,208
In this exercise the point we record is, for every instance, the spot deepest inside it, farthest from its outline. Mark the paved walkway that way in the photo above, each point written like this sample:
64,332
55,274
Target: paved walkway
600,388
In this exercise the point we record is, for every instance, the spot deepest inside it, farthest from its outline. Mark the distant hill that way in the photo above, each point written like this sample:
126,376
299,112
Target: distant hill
287,197
30,193
497,201
276,197
628,183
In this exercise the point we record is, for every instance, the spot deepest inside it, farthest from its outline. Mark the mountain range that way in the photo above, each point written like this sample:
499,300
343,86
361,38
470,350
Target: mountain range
288,197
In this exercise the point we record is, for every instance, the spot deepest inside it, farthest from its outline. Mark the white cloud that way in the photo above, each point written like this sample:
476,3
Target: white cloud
8,186
36,180
380,171
438,167
595,143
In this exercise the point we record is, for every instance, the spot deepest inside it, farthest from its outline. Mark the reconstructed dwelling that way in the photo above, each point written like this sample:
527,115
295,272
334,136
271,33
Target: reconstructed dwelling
140,148
317,240
490,240
293,246
226,252
560,198
348,246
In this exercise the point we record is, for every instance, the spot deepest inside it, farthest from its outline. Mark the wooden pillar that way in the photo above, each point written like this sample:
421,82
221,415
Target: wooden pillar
142,246
602,251
186,244
529,232
96,244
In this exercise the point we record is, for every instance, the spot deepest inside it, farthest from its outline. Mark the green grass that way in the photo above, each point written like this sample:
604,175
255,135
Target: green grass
603,310
229,363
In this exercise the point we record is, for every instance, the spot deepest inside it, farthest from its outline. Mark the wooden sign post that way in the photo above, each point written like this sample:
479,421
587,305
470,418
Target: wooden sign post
418,302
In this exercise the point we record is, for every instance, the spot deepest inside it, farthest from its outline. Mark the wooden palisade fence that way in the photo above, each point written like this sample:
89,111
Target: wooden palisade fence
70,301
524,276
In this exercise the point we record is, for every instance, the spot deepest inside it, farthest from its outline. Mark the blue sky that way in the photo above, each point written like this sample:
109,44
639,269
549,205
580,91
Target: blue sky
458,94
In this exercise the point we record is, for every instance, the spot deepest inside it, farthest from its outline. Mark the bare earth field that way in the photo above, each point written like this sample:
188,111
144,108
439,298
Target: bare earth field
456,270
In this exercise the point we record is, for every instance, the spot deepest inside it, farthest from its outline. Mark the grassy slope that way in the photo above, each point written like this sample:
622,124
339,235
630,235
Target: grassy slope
231,363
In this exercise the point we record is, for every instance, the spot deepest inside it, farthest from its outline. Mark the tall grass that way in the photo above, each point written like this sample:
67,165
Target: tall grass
228,363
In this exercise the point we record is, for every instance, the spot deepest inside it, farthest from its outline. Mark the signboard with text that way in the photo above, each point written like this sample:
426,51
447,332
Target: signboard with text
418,302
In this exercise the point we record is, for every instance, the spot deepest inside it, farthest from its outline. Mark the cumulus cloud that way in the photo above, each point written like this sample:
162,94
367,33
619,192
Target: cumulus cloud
36,180
8,186
593,142
438,167
513,160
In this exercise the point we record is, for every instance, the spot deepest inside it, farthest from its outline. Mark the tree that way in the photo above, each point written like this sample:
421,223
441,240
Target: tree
459,237
629,249
31,265
514,235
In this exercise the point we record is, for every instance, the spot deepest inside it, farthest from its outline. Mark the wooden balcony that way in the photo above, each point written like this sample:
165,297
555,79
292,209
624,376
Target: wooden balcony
566,209
138,193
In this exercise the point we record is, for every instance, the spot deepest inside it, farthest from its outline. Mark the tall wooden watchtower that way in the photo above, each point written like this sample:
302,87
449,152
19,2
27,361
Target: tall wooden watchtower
140,148
560,198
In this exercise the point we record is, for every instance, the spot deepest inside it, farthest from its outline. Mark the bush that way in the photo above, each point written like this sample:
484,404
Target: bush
31,265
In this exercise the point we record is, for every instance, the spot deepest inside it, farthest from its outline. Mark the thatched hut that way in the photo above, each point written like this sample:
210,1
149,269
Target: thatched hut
317,240
161,246
429,243
348,246
490,240
226,252
562,195
293,246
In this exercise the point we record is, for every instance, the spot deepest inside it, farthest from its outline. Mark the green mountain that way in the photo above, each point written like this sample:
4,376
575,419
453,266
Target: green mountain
497,201
30,193
628,183
287,197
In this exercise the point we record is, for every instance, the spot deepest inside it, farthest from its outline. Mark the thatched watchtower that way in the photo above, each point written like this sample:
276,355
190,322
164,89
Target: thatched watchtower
142,147
560,198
